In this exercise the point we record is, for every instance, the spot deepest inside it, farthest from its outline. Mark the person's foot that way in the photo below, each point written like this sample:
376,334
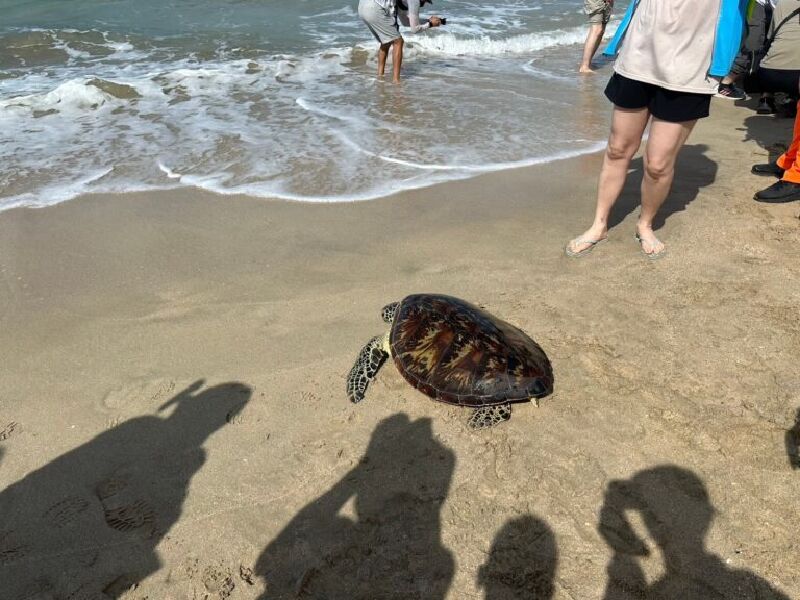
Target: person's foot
766,106
729,91
778,192
584,70
585,243
767,169
651,246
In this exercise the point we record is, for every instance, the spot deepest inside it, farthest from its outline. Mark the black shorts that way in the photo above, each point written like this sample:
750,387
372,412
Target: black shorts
666,105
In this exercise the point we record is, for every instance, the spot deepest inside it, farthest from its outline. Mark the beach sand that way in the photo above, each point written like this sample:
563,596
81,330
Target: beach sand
173,422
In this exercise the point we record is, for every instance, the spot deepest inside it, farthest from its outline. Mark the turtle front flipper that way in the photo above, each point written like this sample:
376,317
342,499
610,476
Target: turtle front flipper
389,312
489,416
369,361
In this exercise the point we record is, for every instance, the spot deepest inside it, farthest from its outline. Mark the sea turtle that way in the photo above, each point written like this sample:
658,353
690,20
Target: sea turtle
456,353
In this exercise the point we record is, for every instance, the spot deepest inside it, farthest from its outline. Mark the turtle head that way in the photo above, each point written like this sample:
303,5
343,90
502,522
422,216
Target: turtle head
389,311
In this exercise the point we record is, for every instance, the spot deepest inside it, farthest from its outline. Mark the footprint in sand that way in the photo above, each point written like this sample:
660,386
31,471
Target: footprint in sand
218,580
10,549
121,512
143,392
9,430
130,516
67,511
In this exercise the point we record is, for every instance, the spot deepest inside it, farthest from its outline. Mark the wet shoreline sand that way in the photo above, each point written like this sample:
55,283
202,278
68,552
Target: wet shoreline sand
684,369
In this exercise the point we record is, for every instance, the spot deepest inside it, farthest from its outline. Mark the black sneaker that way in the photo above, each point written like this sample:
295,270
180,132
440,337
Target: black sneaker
767,169
730,91
780,191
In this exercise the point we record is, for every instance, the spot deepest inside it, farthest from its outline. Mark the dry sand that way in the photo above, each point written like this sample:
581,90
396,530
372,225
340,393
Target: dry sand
174,423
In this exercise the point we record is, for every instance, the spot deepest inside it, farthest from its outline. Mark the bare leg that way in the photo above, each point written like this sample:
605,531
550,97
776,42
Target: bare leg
397,59
663,145
593,39
627,128
383,52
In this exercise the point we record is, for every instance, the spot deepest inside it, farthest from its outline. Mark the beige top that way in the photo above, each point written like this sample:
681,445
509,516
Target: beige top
669,43
784,53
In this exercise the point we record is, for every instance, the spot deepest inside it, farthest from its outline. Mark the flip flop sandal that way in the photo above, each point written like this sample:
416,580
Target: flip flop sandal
585,251
650,255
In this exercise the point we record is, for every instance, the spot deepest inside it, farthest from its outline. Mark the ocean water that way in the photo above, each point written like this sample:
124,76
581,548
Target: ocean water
280,99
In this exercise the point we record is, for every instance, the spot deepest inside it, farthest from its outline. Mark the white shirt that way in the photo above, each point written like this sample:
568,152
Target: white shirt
669,43
387,5
410,18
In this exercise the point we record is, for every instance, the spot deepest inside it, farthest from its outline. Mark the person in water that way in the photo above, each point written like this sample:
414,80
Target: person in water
599,13
383,17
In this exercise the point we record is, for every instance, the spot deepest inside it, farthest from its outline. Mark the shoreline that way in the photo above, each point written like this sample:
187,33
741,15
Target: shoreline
113,305
466,172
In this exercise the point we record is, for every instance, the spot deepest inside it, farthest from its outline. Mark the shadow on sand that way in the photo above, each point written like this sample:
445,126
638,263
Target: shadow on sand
86,525
391,547
769,133
522,562
676,511
793,443
693,171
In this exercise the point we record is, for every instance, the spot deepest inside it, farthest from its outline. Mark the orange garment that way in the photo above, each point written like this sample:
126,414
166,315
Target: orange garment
789,161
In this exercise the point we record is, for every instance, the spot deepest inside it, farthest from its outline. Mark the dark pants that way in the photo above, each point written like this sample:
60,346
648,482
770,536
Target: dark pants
779,80
754,38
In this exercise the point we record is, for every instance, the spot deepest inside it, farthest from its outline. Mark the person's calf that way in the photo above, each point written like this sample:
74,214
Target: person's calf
397,58
593,38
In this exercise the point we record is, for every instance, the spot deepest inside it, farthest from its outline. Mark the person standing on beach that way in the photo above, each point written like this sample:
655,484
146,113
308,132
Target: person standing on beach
780,72
599,13
382,16
671,57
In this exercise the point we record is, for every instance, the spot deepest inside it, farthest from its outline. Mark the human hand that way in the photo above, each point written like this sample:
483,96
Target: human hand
435,21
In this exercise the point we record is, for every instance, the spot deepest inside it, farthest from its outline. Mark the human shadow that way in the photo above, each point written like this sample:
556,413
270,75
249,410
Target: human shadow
522,562
86,525
693,171
392,549
793,443
676,510
770,134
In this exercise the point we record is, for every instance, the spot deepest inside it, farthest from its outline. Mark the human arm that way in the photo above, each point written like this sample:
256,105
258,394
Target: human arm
411,18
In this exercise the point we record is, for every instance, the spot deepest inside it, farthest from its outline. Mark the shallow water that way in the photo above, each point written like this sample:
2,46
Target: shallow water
279,99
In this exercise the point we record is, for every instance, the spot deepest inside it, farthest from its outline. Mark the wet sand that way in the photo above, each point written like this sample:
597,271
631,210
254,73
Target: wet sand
173,422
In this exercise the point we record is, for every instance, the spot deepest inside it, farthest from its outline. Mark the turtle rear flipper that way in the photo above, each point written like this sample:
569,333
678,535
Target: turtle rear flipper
489,416
369,361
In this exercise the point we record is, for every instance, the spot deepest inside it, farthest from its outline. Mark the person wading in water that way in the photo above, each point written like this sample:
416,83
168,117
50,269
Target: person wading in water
382,17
